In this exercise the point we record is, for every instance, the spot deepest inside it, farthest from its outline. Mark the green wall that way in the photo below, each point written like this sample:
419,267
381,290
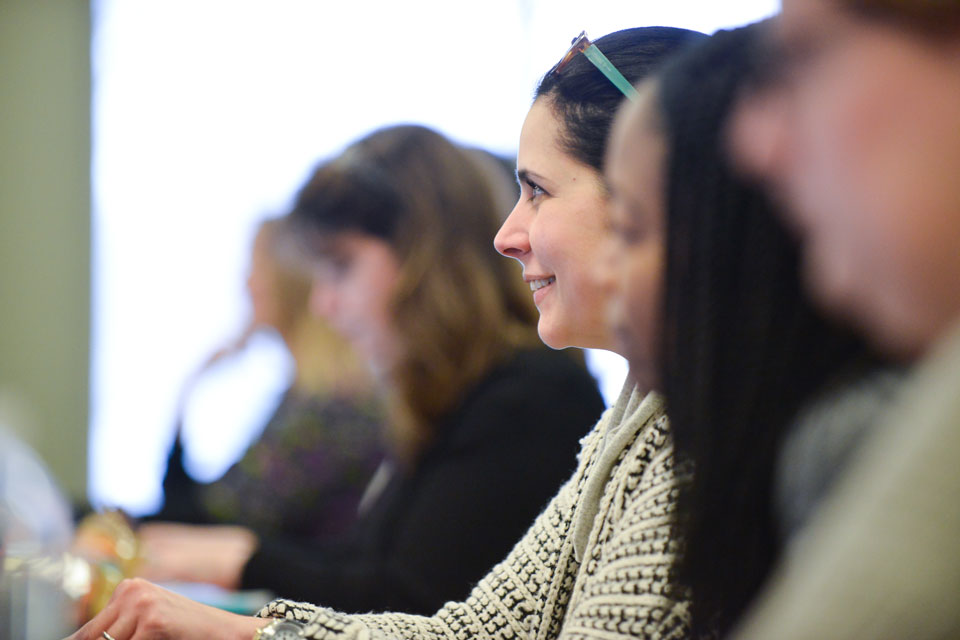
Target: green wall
45,229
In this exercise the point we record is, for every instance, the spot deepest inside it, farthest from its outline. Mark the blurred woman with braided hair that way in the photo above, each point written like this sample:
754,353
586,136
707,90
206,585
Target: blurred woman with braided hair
710,277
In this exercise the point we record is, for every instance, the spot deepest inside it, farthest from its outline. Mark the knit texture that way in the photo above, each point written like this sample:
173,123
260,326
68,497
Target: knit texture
542,590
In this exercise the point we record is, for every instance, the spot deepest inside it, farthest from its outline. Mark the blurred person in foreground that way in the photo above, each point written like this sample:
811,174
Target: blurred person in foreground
854,122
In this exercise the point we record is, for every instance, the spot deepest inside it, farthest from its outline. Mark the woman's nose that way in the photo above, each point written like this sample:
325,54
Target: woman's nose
513,240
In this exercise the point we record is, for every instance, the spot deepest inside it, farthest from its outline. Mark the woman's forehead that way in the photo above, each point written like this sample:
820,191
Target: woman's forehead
541,133
543,152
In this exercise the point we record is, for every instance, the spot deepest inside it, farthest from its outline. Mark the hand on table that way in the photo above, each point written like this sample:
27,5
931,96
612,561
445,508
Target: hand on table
191,553
140,610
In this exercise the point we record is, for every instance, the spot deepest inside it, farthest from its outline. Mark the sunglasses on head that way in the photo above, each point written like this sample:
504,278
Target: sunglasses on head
582,44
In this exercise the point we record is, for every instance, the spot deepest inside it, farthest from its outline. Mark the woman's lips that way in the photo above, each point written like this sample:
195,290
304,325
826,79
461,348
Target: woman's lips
540,283
539,286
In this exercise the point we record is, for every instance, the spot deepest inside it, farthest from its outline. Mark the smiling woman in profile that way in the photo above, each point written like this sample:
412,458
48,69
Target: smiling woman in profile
483,419
596,560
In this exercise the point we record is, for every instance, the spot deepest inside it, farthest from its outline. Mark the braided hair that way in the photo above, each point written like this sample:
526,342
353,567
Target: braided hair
742,349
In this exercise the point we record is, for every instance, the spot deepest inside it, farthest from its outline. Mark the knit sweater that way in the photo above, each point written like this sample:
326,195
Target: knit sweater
595,563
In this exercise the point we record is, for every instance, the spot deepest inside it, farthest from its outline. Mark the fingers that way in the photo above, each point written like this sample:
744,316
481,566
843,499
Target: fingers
140,610
94,629
130,600
123,629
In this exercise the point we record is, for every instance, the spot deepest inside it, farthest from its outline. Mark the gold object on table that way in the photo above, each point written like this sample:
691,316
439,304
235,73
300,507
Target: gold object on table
108,542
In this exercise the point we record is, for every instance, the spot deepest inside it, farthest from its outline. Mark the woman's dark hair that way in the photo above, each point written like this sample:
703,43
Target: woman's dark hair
459,308
586,101
742,347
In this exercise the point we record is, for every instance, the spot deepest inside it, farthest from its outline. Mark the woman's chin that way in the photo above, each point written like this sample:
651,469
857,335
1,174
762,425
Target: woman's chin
560,337
551,336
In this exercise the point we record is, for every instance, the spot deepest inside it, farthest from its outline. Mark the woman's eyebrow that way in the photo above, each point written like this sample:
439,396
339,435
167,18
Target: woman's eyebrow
524,175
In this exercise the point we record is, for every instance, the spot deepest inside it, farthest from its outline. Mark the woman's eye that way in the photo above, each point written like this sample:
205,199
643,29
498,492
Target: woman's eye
535,190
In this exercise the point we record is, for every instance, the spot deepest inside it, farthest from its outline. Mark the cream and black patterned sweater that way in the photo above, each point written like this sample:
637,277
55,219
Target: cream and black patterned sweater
595,563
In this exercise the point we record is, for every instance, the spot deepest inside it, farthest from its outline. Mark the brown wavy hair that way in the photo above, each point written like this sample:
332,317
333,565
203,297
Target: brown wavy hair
459,308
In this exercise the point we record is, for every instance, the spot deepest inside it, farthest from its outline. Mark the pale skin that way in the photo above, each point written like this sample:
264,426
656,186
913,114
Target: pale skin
555,232
558,229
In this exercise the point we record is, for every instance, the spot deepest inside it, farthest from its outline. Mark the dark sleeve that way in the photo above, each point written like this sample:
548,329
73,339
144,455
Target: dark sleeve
181,493
502,457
